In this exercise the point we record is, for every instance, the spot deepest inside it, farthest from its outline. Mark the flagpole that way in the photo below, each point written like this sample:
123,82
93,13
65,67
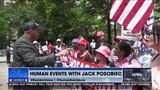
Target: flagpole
115,29
109,25
122,31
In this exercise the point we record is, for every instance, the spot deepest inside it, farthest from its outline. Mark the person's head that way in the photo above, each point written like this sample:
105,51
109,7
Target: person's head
35,43
32,30
102,53
82,44
122,50
75,43
154,39
64,46
100,36
47,43
92,40
59,41
147,34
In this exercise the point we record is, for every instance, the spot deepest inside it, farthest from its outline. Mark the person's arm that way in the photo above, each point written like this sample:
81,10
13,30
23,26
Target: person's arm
147,44
34,60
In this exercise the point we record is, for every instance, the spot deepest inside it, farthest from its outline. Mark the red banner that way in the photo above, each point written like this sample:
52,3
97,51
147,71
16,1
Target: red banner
78,63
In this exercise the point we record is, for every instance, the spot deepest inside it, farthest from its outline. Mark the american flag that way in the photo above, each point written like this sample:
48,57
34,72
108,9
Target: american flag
150,21
131,14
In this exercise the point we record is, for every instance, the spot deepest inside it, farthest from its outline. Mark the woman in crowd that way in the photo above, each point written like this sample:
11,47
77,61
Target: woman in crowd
83,53
102,55
51,48
73,53
79,52
123,51
154,42
75,43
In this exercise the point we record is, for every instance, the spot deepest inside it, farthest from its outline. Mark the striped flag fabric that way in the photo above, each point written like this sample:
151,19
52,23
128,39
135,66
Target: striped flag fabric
150,21
131,14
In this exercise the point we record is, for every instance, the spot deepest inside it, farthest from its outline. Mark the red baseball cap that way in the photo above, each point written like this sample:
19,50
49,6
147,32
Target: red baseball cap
82,41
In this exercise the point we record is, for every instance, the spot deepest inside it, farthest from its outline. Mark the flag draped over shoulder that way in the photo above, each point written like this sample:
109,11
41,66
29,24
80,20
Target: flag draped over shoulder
131,14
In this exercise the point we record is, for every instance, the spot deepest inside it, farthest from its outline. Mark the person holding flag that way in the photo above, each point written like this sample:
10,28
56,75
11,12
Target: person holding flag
154,42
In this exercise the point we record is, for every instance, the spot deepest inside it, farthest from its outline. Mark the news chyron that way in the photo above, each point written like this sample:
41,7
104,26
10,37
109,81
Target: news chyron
79,76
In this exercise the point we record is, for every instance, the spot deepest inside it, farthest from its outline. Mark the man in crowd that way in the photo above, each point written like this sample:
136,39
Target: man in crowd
8,54
100,37
25,54
60,45
92,46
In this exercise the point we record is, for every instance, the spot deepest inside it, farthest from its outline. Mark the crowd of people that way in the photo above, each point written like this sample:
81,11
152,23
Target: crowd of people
97,52
27,52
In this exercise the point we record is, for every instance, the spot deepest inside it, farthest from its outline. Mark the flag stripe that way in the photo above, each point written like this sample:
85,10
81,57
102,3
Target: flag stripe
139,14
141,22
132,13
126,11
113,2
114,8
151,18
150,21
120,9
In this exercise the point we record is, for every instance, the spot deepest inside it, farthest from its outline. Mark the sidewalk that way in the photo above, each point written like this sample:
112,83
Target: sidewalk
3,76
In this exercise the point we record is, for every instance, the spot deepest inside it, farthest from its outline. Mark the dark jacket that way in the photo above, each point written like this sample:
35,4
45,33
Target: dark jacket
25,54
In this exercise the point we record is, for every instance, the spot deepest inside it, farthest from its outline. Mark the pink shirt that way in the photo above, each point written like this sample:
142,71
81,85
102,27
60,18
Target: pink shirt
126,64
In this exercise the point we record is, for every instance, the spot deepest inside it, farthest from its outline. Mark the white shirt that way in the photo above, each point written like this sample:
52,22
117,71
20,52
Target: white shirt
93,44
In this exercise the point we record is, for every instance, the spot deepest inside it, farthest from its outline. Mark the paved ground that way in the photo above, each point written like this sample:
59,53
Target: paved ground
3,76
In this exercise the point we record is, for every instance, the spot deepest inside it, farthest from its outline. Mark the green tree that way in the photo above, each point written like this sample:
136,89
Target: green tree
59,18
